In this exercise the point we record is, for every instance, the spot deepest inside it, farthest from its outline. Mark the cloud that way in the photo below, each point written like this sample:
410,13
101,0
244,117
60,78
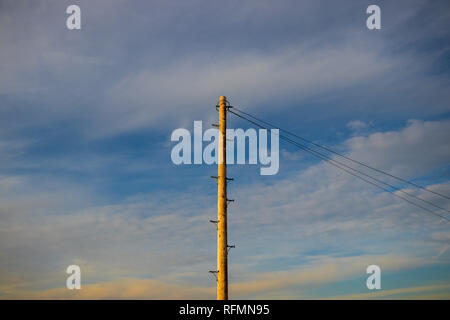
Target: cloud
415,150
137,67
357,125
321,271
441,236
296,230
185,88
106,82
405,293
124,288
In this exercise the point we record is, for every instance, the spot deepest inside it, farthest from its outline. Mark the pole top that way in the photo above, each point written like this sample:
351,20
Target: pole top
222,98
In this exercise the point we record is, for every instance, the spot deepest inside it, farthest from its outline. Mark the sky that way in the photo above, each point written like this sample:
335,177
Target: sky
86,176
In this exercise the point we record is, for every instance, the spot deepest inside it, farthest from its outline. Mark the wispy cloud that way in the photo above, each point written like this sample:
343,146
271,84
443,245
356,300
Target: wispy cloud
85,120
443,292
311,217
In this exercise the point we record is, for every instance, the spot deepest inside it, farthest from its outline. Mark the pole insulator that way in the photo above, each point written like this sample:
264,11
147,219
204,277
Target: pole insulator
214,273
215,222
229,247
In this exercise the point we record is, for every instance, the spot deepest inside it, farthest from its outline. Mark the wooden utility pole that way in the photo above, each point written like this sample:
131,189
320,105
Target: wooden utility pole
222,245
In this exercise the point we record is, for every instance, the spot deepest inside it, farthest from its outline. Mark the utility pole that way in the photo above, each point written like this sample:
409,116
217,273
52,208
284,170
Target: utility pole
222,244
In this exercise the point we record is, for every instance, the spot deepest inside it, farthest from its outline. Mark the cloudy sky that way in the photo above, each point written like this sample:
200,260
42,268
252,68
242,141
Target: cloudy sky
86,176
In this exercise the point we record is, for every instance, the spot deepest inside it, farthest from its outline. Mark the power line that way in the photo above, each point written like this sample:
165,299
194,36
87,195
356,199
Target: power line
343,156
342,167
332,162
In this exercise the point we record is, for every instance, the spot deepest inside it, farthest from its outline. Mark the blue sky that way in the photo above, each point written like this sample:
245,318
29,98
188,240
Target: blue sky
86,176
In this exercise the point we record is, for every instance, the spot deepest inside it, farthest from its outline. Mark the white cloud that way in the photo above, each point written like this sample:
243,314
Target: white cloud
357,125
188,87
417,149
308,218
100,78
311,218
